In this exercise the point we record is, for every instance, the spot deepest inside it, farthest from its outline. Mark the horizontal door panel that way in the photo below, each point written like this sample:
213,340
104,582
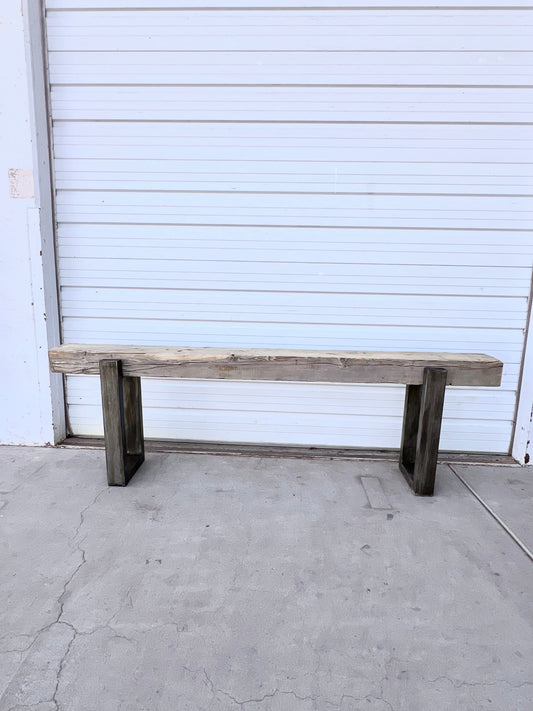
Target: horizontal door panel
339,210
292,67
288,135
317,255
300,104
299,335
314,430
318,30
419,283
115,301
430,238
330,398
304,4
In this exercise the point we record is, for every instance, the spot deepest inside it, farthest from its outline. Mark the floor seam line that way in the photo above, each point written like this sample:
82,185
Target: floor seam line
494,515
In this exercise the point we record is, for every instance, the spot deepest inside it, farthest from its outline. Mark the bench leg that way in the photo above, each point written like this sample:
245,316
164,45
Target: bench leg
422,420
123,424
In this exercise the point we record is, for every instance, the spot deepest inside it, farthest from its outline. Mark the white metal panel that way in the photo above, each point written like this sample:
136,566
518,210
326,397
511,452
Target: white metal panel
306,4
348,175
354,158
335,210
318,416
362,309
289,67
291,29
294,103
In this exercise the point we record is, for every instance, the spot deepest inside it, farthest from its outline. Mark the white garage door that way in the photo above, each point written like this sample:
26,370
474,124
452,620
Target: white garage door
338,176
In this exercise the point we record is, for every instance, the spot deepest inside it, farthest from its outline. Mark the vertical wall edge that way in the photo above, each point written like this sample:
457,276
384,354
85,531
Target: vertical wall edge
42,235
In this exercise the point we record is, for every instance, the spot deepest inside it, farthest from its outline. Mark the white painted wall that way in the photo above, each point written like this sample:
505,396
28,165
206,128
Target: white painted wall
27,390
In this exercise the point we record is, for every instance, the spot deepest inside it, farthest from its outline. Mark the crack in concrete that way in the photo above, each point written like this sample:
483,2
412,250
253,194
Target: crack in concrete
62,664
60,600
380,698
75,634
84,511
122,605
61,603
457,684
63,659
52,700
249,701
81,550
367,697
258,700
27,706
22,483
23,649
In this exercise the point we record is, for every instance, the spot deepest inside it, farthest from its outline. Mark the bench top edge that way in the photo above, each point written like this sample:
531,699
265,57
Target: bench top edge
332,366
214,353
175,354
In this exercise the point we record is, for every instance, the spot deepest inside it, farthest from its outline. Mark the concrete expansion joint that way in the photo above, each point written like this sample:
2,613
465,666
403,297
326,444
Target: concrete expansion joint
494,515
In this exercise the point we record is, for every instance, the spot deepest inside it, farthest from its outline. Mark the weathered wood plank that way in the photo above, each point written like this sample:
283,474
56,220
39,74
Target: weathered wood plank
411,415
421,431
123,425
473,369
427,444
296,451
113,412
133,416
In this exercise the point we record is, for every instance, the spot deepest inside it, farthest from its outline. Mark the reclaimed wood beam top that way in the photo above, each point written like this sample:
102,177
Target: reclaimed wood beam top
473,369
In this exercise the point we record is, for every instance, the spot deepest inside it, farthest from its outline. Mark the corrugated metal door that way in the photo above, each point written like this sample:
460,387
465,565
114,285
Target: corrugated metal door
314,177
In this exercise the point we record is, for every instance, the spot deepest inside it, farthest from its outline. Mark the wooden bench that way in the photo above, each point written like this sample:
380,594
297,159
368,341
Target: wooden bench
426,376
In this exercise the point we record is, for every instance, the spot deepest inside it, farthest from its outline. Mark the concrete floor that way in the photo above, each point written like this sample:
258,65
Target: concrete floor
243,584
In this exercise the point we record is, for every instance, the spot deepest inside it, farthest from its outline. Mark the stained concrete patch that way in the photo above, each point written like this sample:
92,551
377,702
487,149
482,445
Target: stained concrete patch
227,583
374,492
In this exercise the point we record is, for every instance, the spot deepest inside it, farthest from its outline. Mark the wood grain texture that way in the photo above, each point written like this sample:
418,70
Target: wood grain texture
133,417
123,428
113,413
411,416
429,426
421,431
239,449
472,369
